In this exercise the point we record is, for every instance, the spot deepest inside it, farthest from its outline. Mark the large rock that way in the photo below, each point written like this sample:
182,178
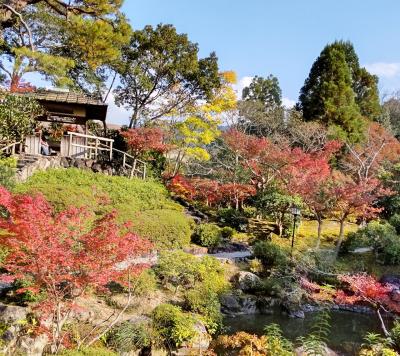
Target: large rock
30,346
394,282
238,304
199,344
246,281
11,314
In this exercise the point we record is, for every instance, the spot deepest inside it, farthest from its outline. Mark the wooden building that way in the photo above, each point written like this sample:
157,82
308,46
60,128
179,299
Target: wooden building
66,108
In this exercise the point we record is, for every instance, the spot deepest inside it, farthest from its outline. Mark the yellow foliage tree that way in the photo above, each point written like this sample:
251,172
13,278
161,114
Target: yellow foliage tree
200,127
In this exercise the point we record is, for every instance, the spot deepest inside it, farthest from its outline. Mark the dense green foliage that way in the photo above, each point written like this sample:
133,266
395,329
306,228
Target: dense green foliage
203,279
89,351
382,237
17,117
265,90
145,203
162,67
269,254
339,93
178,268
7,172
207,235
167,228
174,326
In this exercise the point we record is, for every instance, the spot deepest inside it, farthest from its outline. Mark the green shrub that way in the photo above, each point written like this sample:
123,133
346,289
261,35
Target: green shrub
227,232
75,187
167,229
145,283
207,235
128,336
174,326
178,268
269,254
7,172
395,222
204,301
233,218
395,333
382,237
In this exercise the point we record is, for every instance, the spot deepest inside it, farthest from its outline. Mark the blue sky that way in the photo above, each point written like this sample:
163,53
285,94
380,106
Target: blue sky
282,37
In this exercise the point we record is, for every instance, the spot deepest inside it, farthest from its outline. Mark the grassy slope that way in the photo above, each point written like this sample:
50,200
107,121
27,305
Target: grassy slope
146,203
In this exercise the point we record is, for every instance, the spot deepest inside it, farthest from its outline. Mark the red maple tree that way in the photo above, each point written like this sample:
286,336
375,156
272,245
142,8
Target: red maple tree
308,176
144,139
63,254
355,198
365,289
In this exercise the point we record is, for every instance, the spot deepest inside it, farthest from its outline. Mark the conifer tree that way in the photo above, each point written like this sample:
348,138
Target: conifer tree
339,93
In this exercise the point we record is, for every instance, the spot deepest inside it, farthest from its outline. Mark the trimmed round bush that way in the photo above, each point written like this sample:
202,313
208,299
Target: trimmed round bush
382,237
167,229
207,235
269,254
395,222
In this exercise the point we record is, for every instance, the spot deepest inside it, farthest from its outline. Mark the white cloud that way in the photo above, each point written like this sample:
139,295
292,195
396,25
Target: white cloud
382,69
288,103
241,84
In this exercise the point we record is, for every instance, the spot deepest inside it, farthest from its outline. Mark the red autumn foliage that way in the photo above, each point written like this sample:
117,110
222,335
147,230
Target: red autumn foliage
363,288
180,187
62,254
210,192
262,158
144,139
207,191
235,194
356,198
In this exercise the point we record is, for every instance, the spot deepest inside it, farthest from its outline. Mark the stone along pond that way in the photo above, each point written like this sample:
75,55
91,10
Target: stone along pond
347,330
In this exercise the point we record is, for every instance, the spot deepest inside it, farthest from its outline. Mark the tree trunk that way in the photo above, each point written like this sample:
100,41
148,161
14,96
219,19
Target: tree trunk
341,238
319,234
134,119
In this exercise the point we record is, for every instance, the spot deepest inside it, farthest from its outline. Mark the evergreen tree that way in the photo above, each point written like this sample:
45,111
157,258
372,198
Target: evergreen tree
70,43
339,93
266,90
260,111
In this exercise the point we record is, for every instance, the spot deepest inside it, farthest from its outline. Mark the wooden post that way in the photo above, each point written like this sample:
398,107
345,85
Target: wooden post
144,171
124,160
96,148
70,145
133,168
111,150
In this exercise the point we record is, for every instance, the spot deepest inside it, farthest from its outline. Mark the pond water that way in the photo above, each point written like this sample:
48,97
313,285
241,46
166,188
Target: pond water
347,329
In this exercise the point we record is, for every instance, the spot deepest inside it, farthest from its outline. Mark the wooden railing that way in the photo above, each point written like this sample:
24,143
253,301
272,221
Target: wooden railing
11,149
87,146
134,166
93,147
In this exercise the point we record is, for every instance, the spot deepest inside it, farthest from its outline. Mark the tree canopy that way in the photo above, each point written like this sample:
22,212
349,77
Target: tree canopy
69,44
339,93
161,73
